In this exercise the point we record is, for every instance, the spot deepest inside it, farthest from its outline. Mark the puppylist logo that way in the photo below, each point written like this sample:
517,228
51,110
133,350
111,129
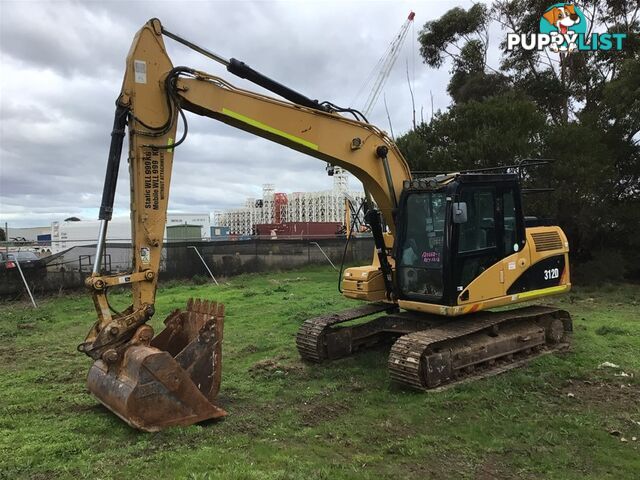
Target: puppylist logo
563,28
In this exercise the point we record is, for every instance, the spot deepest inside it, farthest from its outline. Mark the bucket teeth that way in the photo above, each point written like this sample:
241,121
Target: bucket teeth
205,307
174,379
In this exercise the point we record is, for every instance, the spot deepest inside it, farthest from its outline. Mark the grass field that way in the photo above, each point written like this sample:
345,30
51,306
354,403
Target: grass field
551,419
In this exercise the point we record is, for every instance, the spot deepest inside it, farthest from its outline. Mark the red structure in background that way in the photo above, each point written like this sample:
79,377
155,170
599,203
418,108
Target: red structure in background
279,200
302,229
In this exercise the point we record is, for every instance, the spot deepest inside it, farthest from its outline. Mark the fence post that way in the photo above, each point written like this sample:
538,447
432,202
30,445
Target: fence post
204,263
24,280
325,255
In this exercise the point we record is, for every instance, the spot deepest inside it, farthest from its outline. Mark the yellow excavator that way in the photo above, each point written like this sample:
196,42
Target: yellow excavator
447,249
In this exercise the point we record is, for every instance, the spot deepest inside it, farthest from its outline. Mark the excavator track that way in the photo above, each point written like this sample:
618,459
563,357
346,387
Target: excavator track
311,336
475,346
434,352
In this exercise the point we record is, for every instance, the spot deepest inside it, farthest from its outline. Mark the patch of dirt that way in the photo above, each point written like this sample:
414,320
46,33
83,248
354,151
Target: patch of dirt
249,349
447,464
396,429
313,414
355,385
614,396
607,330
26,326
274,368
443,466
45,475
225,400
492,468
77,408
287,280
69,377
392,434
250,418
7,353
299,316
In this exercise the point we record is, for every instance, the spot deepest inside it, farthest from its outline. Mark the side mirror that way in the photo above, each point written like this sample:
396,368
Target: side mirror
459,212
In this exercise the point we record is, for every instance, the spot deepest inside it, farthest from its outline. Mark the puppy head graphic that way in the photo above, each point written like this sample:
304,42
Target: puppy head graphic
563,17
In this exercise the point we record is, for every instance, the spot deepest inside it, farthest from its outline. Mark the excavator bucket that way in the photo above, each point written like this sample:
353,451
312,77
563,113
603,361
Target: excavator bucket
171,379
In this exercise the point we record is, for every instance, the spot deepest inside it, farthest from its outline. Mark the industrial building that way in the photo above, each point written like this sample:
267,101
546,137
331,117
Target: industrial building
277,208
28,234
65,235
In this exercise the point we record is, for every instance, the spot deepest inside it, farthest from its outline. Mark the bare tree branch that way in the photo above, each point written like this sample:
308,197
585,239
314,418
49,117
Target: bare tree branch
413,101
386,108
513,27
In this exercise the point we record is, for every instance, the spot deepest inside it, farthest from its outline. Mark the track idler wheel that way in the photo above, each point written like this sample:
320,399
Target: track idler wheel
171,379
554,329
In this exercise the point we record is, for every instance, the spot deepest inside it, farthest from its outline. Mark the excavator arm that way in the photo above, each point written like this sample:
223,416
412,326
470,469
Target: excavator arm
153,98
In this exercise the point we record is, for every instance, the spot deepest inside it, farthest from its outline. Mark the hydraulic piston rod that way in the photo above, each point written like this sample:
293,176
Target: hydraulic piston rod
110,181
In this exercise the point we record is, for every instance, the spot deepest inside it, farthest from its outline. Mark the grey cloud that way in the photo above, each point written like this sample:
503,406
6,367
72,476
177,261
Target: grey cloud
62,65
64,37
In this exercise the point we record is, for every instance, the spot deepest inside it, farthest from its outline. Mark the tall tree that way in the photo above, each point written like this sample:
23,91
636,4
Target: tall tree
580,108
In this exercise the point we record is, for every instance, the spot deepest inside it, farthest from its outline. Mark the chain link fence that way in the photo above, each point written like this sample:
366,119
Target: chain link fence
67,270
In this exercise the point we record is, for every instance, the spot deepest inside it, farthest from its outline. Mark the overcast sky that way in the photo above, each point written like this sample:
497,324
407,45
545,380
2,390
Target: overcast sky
61,68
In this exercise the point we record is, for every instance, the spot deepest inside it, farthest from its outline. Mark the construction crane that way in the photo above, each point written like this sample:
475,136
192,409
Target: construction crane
385,65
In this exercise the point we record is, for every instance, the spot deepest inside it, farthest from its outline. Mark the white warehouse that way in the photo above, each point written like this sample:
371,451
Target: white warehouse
65,235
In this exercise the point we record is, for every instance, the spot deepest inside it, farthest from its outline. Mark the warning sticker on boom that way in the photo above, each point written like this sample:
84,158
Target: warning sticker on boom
145,254
153,160
140,69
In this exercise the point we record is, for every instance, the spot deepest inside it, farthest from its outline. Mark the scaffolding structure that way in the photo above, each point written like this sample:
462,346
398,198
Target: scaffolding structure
278,207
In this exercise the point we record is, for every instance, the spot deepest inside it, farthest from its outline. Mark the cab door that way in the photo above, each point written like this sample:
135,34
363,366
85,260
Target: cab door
420,247
516,257
477,241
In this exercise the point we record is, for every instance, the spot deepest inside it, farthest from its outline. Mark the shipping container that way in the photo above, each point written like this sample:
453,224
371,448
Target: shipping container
299,229
220,233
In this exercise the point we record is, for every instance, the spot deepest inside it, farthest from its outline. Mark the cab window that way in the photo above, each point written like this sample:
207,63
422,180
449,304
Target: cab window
478,232
421,251
510,238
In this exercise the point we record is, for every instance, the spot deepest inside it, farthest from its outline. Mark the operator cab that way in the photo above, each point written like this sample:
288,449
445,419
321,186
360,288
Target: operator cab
450,229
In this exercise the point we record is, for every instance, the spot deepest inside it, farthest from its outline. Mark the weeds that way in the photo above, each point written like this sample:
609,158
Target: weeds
609,330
